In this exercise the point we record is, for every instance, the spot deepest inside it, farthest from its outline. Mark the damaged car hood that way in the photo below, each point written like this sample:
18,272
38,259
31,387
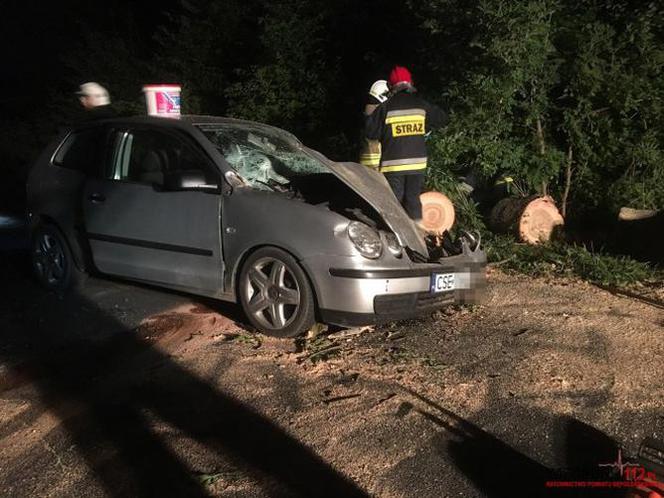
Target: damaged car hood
373,187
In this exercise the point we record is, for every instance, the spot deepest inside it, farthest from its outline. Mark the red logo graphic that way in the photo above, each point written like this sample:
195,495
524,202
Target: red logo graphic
618,464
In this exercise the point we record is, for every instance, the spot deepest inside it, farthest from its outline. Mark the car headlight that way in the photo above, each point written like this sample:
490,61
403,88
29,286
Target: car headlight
366,239
393,244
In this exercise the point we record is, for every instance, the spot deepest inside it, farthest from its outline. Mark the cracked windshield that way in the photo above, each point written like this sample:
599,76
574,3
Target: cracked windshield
263,158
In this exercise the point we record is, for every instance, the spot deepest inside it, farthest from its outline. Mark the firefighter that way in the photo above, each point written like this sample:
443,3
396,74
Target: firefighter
95,100
400,124
370,149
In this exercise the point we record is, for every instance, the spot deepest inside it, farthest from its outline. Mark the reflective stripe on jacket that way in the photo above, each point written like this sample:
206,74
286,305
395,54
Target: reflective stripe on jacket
400,124
370,153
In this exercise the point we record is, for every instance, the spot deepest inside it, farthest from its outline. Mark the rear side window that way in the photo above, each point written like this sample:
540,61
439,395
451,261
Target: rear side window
149,156
82,151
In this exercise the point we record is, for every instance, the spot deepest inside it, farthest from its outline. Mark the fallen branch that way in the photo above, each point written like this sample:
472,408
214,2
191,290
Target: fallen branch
350,333
502,262
633,295
341,398
322,352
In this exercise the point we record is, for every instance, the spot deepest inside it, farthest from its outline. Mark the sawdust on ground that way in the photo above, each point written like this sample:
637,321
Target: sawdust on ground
384,406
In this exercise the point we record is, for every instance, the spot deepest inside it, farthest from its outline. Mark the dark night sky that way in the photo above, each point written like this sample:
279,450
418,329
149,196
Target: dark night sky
40,39
35,34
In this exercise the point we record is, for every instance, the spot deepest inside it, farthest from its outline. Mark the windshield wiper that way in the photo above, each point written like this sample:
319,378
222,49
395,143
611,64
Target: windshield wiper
275,186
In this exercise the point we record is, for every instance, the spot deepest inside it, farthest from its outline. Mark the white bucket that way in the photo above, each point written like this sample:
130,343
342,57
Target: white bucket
163,100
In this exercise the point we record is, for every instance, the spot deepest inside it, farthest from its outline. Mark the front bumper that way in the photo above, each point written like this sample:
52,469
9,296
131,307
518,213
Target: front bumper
369,296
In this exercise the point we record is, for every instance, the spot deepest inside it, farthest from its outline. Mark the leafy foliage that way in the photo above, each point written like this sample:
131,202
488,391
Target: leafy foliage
289,89
556,79
568,261
540,90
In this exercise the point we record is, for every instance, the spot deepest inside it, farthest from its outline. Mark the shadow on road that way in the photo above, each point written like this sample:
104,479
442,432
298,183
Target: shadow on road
106,389
501,471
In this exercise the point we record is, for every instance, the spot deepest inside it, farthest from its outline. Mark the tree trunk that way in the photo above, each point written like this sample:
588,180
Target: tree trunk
437,212
542,150
568,182
640,233
533,219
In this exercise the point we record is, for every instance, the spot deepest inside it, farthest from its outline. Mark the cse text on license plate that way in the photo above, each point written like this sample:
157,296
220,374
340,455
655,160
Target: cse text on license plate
442,282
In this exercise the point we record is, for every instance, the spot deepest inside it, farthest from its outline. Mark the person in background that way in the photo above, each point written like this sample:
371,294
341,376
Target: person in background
370,149
95,100
400,124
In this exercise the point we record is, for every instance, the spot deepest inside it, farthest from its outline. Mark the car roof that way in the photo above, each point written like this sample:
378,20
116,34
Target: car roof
186,121
183,121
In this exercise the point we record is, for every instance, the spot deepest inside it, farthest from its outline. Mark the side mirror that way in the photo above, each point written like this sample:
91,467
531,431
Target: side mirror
234,179
188,180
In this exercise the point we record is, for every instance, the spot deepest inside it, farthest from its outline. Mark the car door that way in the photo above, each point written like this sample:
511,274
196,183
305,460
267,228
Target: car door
154,213
55,183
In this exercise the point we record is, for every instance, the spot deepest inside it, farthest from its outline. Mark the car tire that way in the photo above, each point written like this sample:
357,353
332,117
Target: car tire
52,260
275,293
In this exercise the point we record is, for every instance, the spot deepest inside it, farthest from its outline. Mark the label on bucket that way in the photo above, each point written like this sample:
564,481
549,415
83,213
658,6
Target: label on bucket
168,102
163,100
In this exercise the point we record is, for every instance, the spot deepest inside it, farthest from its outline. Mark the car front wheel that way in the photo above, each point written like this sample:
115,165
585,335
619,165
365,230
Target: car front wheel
275,293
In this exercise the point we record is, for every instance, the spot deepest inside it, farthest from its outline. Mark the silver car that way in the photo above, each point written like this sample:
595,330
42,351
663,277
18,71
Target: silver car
241,212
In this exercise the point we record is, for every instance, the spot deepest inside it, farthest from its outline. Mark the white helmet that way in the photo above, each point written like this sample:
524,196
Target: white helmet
97,94
379,90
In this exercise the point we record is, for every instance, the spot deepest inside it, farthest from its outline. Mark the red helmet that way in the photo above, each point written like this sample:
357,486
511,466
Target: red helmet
400,75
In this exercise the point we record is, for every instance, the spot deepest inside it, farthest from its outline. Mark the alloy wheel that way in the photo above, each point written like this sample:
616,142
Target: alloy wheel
272,293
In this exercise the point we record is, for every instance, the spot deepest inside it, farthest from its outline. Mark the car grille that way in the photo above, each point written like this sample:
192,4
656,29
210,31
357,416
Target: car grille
411,304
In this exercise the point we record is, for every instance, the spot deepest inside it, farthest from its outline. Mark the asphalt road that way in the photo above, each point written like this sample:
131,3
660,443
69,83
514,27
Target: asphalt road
83,361
127,390
124,303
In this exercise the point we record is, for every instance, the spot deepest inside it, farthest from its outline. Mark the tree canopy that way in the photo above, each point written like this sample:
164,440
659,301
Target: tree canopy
564,96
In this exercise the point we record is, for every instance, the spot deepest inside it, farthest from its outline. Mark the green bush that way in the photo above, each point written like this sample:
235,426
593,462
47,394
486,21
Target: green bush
565,260
556,83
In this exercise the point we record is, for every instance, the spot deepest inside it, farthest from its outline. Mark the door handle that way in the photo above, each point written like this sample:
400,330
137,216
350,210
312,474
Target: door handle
97,198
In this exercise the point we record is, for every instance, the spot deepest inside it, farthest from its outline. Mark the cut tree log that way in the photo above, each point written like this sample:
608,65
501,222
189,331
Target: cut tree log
631,214
437,212
533,219
640,233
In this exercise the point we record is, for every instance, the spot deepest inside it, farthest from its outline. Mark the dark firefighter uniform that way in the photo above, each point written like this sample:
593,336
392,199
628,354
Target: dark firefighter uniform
370,149
400,124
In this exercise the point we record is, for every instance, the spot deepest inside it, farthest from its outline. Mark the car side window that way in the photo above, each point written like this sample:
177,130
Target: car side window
148,156
83,151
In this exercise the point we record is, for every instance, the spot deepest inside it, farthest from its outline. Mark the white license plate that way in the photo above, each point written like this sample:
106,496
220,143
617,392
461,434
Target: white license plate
442,282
